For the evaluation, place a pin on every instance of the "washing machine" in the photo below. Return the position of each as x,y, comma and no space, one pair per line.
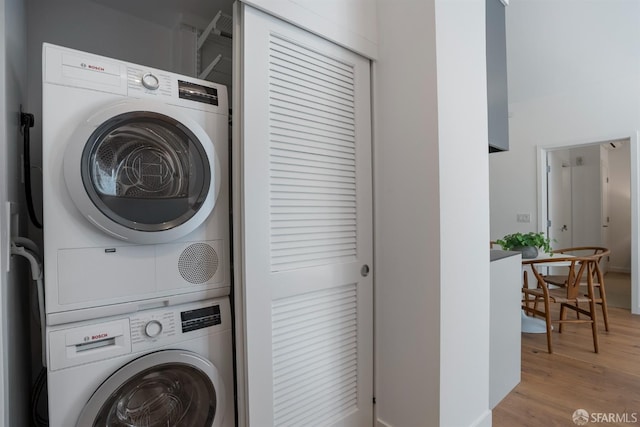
135,187
162,367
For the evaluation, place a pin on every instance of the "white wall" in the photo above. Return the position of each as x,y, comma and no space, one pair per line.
407,218
431,194
14,314
573,70
620,208
94,28
90,27
464,212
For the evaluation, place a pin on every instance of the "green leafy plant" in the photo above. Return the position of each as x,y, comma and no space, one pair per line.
520,240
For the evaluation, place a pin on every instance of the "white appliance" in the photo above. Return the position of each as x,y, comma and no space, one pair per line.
162,367
135,187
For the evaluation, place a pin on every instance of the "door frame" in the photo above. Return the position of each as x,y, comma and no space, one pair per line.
634,139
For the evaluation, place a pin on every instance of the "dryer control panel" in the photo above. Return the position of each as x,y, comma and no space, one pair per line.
146,83
70,67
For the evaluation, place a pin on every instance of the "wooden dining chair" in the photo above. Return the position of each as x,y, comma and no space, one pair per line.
597,252
569,296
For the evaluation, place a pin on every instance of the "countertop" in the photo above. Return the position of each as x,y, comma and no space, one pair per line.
497,254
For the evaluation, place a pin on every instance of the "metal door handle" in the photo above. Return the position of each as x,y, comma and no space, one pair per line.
364,271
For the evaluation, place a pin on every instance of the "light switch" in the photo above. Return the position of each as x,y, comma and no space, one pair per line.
523,217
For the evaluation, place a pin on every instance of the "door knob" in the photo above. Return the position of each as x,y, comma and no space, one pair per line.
364,271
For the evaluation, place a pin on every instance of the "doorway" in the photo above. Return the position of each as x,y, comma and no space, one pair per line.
588,196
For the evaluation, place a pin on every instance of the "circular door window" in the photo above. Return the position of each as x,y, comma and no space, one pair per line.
145,171
142,172
155,391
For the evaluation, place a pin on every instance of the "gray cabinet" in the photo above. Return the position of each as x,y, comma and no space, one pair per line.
497,77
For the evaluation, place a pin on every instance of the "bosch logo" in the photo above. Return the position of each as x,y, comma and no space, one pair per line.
91,67
99,336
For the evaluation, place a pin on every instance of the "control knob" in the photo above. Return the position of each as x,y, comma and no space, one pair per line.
150,81
153,328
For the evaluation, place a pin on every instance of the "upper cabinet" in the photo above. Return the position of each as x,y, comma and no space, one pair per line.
497,76
351,24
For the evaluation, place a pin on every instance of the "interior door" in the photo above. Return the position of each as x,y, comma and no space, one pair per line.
559,210
605,216
306,227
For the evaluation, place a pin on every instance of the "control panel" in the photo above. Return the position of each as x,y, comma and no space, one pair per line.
152,326
155,327
153,83
149,83
198,93
85,342
83,70
193,320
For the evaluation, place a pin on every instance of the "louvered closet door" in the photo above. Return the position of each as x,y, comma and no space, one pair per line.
307,228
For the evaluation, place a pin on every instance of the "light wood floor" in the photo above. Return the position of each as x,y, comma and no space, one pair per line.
553,386
618,289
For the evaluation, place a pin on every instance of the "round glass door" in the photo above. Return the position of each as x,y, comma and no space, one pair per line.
145,171
167,388
169,395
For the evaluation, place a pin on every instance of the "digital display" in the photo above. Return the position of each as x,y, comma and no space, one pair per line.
198,93
200,318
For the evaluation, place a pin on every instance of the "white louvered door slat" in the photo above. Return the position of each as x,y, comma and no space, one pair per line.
306,227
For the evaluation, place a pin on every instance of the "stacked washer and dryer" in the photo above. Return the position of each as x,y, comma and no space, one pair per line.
136,243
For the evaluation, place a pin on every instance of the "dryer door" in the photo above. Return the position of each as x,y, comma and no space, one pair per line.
142,172
166,388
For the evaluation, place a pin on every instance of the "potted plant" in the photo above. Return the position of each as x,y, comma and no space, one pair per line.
527,243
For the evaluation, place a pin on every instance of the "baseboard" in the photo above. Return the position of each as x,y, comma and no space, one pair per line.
483,420
619,269
380,423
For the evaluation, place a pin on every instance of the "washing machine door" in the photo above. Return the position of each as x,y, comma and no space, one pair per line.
166,388
142,172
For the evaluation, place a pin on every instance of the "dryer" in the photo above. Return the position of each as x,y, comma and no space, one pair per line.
135,187
170,366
